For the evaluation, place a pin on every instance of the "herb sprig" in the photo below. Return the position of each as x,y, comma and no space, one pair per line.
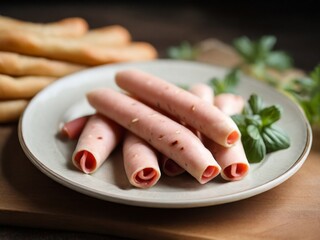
184,51
259,134
307,93
258,56
226,85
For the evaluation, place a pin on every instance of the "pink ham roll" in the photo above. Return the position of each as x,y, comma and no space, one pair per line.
97,140
72,129
195,112
140,162
229,103
164,134
233,160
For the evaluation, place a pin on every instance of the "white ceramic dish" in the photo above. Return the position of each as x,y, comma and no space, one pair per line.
65,100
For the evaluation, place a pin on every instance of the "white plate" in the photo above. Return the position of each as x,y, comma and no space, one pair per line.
65,100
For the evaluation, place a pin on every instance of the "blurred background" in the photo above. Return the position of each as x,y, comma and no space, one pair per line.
165,23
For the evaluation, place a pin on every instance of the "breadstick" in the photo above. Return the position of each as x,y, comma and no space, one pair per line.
114,35
73,50
20,65
23,87
11,110
68,27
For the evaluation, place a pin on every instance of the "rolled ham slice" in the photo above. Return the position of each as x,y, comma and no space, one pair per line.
73,128
188,108
140,161
233,160
229,103
167,136
97,140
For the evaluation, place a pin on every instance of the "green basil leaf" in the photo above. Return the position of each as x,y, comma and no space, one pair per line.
275,139
269,115
279,60
217,86
240,121
184,51
255,103
232,80
254,120
265,44
245,48
254,146
315,74
259,70
226,85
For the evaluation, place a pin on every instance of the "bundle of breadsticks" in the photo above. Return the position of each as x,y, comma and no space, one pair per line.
33,55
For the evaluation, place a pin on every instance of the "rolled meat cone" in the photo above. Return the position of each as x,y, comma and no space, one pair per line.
229,103
167,165
140,161
164,134
233,160
98,139
73,128
195,112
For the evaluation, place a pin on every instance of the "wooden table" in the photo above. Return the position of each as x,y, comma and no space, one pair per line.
29,198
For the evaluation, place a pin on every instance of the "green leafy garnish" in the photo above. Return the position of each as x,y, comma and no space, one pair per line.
226,85
306,91
258,56
185,51
259,135
260,52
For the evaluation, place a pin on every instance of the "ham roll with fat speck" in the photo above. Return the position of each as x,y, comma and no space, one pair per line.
140,161
97,140
185,106
233,160
167,136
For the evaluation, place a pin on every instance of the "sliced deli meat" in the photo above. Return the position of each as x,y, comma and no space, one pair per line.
188,108
233,160
164,134
140,161
98,139
73,128
229,103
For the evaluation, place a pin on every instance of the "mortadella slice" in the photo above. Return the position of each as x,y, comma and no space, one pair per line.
97,140
229,103
233,160
73,128
164,134
197,113
140,161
